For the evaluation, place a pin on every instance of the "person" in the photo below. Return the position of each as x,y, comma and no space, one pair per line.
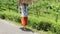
24,6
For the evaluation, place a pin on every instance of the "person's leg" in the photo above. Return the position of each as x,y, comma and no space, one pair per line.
24,28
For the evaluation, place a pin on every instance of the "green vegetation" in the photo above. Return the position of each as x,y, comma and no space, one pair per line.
43,15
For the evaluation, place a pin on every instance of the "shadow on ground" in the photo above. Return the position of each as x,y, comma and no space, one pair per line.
27,29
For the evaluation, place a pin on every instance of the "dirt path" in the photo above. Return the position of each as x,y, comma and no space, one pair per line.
6,28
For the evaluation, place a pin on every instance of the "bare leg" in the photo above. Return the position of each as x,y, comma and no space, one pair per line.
24,28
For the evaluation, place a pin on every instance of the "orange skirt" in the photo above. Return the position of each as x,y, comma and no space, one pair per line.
24,21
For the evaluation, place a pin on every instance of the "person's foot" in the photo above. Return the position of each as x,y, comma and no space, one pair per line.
24,28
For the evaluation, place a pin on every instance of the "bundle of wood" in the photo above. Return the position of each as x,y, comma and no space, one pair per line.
26,1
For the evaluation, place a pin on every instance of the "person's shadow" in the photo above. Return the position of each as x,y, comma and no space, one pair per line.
27,29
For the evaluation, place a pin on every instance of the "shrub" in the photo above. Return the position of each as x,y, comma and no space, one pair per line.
35,23
2,16
44,25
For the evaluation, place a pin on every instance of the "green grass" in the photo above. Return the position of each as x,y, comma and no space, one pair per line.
33,21
38,15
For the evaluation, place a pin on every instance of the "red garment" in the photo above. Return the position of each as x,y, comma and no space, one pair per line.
24,21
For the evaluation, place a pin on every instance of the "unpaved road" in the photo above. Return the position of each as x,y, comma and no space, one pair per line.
6,28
